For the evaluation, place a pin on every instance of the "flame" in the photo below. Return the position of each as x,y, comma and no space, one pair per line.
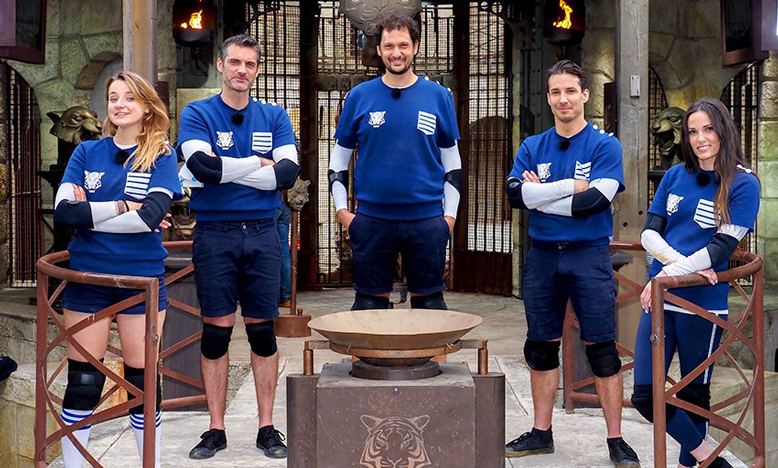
566,23
195,21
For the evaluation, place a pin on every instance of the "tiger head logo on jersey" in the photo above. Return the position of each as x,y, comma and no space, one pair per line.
224,140
544,171
377,119
672,203
92,181
395,442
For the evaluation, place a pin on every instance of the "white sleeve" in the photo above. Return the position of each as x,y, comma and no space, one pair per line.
191,147
535,195
100,210
235,168
561,207
126,223
264,178
607,187
451,162
658,247
700,260
339,161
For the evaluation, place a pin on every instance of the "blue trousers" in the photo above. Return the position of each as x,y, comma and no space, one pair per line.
283,217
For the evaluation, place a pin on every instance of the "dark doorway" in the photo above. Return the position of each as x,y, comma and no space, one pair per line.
24,154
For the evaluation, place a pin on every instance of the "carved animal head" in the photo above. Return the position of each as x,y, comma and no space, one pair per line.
297,196
666,131
76,125
395,442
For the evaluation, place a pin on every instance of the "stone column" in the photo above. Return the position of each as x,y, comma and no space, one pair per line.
5,182
630,205
767,167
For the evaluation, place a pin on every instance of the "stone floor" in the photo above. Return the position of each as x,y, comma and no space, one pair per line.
580,437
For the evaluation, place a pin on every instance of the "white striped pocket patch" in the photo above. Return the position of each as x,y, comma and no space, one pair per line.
427,123
583,171
703,214
261,142
137,184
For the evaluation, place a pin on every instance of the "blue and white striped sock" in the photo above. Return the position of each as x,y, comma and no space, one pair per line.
70,454
136,421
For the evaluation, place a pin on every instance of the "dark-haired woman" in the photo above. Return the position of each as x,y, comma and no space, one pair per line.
701,210
115,192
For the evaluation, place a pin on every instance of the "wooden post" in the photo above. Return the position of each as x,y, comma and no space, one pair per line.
140,38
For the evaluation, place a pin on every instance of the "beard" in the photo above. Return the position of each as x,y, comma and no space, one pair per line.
238,86
406,66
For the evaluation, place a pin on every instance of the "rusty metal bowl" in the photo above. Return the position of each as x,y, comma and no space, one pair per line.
395,329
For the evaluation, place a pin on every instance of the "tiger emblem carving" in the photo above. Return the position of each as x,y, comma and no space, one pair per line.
395,442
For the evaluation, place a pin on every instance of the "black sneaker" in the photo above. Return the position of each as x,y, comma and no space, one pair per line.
7,366
622,454
720,463
534,442
211,442
271,441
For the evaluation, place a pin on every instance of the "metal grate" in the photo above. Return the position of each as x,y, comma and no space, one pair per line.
741,96
657,102
25,157
490,137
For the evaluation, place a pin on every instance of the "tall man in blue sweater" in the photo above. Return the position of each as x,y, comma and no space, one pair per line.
567,177
407,175
239,153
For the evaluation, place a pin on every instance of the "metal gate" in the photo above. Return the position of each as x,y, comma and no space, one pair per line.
483,239
26,233
741,96
657,102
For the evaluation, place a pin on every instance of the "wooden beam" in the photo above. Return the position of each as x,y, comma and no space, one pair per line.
140,38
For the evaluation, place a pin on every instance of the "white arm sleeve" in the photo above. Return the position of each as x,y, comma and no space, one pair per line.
536,195
700,260
561,207
126,223
607,187
235,168
451,162
188,148
264,178
658,247
101,211
339,161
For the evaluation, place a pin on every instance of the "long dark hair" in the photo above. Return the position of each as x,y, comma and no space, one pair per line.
730,154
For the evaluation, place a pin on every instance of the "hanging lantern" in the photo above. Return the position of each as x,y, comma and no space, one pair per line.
193,22
564,21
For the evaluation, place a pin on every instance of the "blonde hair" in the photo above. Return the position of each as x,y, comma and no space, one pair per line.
153,137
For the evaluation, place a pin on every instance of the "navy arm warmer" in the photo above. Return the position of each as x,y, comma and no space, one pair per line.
655,223
205,168
589,202
721,248
513,190
74,214
155,206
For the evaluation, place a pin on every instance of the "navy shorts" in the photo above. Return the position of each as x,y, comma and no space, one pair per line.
80,297
554,273
376,242
237,262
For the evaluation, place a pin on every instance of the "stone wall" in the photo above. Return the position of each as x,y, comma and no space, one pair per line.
767,246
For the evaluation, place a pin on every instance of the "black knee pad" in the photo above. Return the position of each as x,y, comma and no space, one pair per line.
696,394
643,401
542,355
430,301
262,338
367,302
215,342
85,386
603,359
134,376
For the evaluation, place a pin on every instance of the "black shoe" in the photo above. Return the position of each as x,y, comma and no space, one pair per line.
720,463
534,442
7,366
212,441
622,454
270,440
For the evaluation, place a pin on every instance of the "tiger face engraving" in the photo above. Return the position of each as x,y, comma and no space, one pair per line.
92,181
395,442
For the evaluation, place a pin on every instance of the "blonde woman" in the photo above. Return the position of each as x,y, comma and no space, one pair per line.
115,192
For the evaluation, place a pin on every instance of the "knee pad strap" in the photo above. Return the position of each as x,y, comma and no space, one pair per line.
85,386
643,401
696,394
430,301
603,358
215,342
542,355
134,376
262,338
367,302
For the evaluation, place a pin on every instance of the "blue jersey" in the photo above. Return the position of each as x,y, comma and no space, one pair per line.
688,209
93,167
592,154
398,173
265,127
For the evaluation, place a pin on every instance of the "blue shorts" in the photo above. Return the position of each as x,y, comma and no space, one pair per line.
554,273
80,297
376,242
237,261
